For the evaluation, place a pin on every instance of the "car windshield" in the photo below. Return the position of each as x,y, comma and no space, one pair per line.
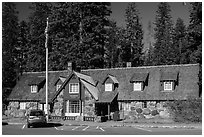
36,113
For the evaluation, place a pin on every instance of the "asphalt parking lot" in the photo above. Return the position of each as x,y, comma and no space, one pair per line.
59,129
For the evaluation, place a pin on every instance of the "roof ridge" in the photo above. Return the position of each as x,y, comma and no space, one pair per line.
52,71
160,66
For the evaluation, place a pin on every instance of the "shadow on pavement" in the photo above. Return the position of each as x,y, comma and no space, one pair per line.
4,123
47,125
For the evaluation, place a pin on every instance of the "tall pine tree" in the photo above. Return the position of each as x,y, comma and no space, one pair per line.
9,44
37,25
134,34
180,41
194,48
164,50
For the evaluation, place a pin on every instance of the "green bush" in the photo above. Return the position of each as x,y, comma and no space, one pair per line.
185,111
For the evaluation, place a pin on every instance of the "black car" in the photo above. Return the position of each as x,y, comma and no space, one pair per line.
36,117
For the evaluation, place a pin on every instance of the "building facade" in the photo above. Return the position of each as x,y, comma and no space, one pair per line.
102,92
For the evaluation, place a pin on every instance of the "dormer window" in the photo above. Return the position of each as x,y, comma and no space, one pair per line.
36,83
110,83
168,81
108,87
137,86
168,85
74,88
139,80
34,88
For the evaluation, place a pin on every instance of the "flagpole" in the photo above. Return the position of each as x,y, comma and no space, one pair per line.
46,35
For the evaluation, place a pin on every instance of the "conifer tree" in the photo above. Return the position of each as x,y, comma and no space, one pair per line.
134,34
180,41
164,50
9,44
194,48
37,25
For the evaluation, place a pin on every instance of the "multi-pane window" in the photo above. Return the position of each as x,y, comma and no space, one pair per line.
57,87
137,86
34,88
168,85
74,106
73,88
108,87
22,105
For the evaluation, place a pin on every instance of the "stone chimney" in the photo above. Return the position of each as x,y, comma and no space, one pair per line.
128,64
71,66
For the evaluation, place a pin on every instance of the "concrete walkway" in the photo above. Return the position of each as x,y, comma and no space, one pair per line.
16,121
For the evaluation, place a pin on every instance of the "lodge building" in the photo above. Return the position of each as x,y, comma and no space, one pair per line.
102,92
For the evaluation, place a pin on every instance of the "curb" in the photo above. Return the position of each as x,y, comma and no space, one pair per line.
148,126
12,123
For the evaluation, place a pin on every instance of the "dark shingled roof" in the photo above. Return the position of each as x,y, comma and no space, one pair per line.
187,76
169,76
36,80
22,90
107,96
139,77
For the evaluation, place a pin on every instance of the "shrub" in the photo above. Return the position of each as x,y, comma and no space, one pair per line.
189,110
154,112
139,110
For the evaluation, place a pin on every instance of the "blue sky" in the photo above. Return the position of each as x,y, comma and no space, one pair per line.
147,12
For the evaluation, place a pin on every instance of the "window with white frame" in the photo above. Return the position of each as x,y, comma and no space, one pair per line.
137,86
74,106
34,88
58,86
74,88
108,87
168,85
22,105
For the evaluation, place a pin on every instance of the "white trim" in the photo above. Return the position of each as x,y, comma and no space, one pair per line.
70,88
137,86
32,87
108,87
22,105
168,86
72,114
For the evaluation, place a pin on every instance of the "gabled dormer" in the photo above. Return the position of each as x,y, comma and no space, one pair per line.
110,83
139,81
169,81
36,83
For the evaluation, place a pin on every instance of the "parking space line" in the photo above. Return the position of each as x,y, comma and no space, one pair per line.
23,127
85,128
76,128
102,129
58,128
143,129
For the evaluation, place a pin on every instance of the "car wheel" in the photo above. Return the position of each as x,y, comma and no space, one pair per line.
28,125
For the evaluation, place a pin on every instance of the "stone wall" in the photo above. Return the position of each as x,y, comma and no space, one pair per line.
58,105
138,109
13,109
89,105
